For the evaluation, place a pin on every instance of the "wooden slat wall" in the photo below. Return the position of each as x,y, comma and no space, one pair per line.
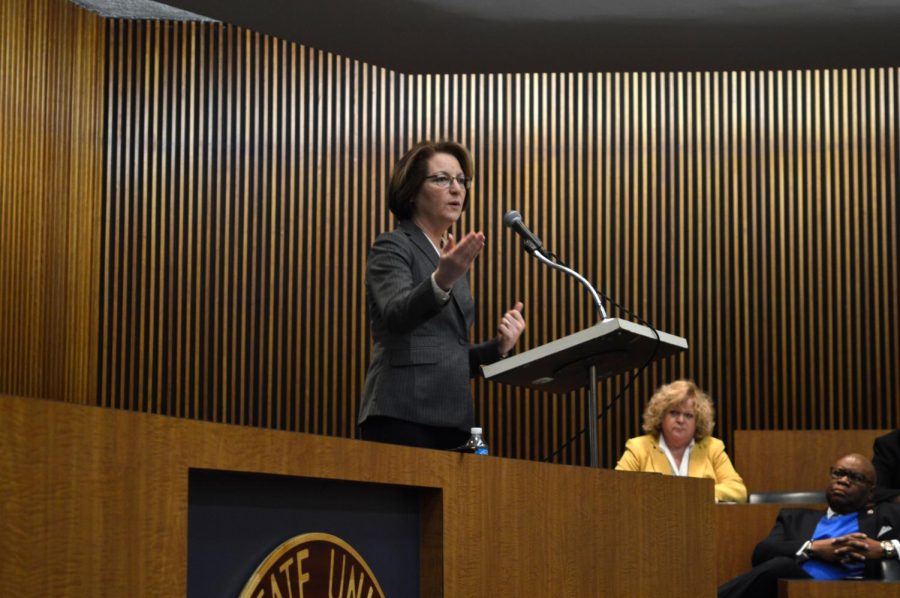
243,179
51,135
753,213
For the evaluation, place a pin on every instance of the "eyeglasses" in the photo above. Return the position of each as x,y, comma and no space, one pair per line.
853,476
445,180
675,414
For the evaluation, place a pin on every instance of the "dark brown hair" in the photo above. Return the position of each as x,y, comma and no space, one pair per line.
410,172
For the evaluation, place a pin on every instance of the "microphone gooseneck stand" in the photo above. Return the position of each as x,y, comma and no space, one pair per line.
532,244
593,442
557,266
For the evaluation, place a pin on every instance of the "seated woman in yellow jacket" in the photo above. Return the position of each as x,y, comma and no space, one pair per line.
678,421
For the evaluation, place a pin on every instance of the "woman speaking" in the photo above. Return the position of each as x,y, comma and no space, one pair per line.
420,310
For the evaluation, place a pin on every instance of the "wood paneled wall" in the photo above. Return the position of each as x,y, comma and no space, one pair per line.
752,212
51,136
805,456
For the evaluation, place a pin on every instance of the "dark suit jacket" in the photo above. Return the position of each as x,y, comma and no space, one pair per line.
793,527
886,459
422,359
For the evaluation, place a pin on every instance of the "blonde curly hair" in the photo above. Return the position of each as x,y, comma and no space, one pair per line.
669,396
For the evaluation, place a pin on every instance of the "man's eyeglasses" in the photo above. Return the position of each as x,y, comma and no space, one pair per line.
445,180
853,476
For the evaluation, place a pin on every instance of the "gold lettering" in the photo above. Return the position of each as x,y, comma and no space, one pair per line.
331,576
302,577
355,591
286,569
331,572
348,582
273,584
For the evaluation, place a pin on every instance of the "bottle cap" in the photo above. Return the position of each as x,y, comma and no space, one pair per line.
476,430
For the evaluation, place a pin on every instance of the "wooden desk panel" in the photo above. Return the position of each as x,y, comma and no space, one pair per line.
739,528
837,589
782,461
94,502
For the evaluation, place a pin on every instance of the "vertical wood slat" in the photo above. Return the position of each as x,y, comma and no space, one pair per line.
51,131
754,213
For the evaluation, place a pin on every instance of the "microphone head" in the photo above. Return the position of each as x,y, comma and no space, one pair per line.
511,217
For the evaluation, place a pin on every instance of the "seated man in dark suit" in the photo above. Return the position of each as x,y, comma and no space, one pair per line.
886,459
849,540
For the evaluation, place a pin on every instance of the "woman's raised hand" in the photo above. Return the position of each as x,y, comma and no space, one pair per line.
457,258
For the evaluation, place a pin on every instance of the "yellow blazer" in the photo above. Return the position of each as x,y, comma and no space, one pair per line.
708,460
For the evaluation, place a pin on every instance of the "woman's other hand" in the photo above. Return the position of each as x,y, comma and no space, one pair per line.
512,324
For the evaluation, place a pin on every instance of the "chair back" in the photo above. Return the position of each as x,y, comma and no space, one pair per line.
890,570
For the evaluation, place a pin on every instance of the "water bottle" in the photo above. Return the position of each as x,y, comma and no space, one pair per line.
476,443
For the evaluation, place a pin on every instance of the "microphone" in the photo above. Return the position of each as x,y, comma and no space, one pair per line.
513,220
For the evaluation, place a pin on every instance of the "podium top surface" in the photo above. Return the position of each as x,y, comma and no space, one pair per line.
613,345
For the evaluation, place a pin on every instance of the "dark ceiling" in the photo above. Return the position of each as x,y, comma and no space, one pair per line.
501,36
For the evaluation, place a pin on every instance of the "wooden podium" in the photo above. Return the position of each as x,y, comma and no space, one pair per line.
94,502
580,360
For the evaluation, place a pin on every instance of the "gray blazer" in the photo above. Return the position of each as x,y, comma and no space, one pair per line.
422,359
